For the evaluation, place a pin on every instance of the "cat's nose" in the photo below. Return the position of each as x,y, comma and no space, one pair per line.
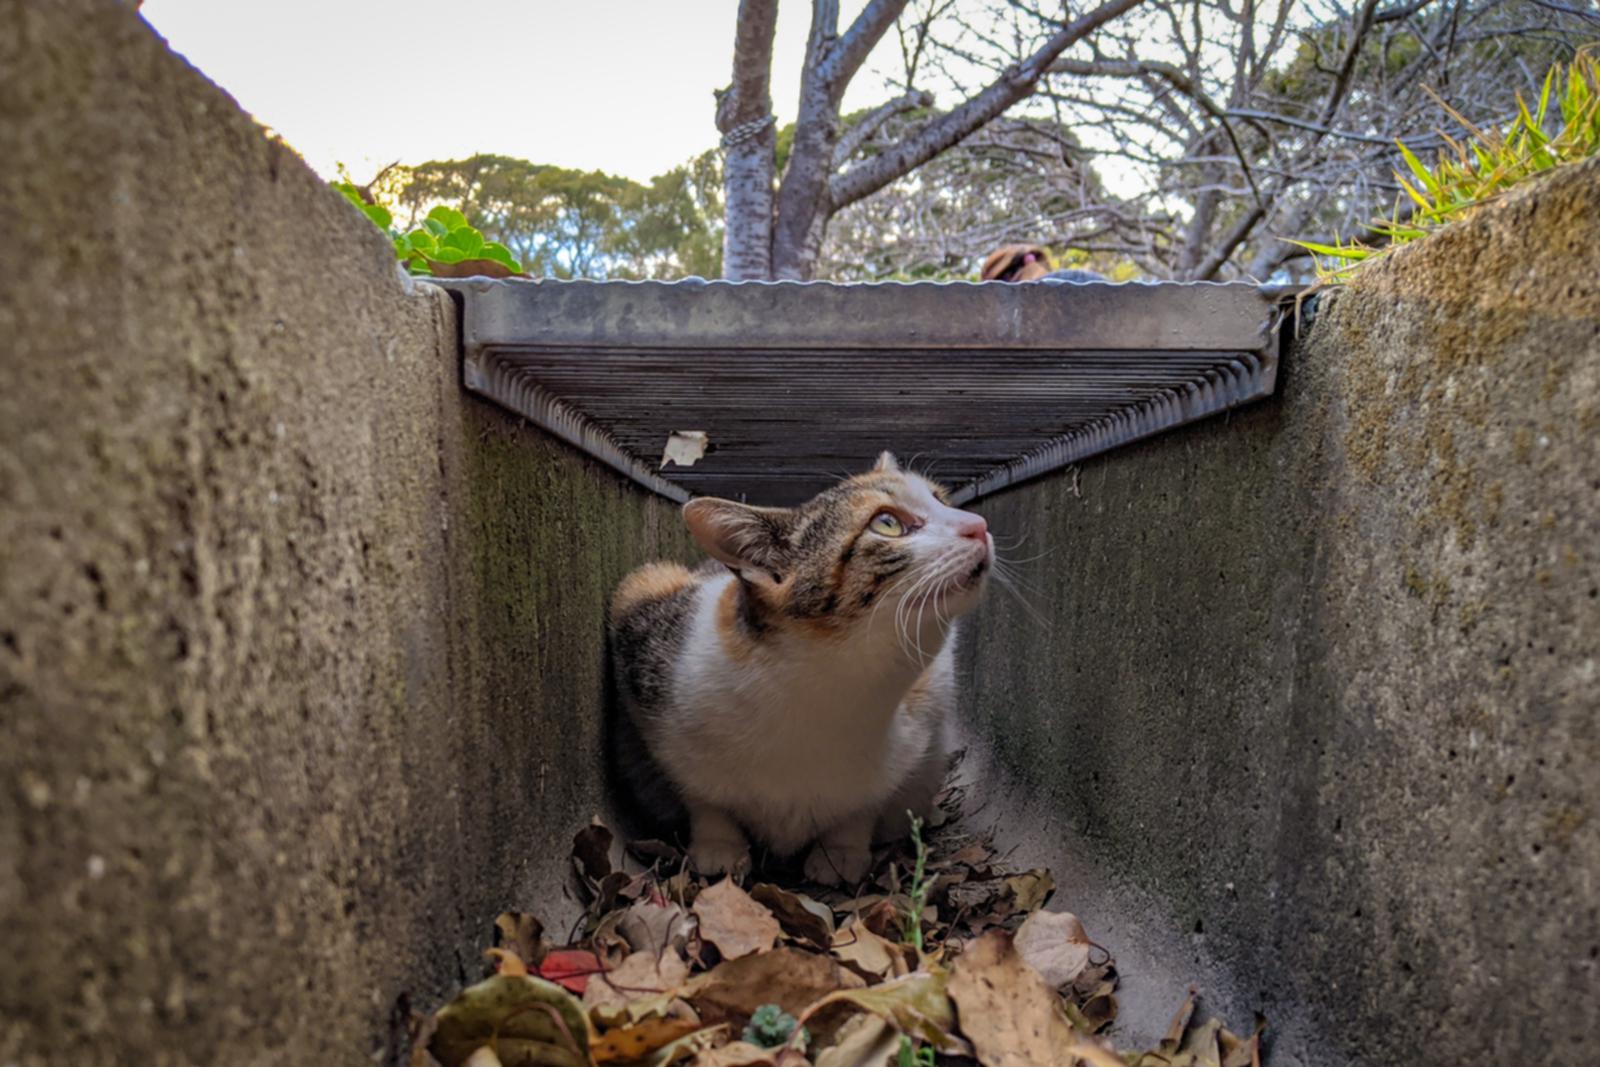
973,526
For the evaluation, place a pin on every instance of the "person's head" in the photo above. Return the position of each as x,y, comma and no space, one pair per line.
1016,263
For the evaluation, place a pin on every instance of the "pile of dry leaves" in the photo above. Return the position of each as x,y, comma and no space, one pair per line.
946,957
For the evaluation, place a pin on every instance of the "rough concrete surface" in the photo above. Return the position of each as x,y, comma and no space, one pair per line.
298,644
1323,676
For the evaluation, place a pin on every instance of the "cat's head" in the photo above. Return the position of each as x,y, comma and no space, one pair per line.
865,552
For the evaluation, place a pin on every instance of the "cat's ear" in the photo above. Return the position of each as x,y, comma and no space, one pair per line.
743,537
886,462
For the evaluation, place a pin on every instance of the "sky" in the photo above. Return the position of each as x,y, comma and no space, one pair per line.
622,86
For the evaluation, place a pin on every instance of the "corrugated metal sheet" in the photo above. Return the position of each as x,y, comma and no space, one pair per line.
796,384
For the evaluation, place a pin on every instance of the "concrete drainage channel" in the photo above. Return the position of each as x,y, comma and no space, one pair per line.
298,637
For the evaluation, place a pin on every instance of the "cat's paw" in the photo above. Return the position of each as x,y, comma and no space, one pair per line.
838,864
720,856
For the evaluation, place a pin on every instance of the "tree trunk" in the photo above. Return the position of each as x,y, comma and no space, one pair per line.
744,115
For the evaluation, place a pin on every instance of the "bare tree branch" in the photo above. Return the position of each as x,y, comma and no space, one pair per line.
851,141
847,55
1014,84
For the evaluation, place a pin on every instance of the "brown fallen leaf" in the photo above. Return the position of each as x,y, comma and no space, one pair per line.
800,917
591,851
643,974
505,961
788,977
523,934
651,927
1056,945
733,922
640,1039
918,1004
737,1054
531,1022
1030,889
871,956
864,1041
472,268
1004,1007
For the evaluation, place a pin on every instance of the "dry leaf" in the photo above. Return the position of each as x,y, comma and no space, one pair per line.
799,915
730,920
472,268
689,1045
788,977
1006,1010
522,934
651,927
737,1054
870,955
684,448
1055,944
917,1004
864,1041
570,967
505,961
640,1039
532,1023
591,852
643,974
1030,889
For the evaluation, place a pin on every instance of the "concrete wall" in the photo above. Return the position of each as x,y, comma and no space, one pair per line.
298,644
1323,676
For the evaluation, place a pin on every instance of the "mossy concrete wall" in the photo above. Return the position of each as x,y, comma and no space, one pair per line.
298,644
1324,675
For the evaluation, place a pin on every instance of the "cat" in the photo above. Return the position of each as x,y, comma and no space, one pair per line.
797,690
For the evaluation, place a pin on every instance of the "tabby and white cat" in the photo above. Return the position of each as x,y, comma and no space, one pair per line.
797,689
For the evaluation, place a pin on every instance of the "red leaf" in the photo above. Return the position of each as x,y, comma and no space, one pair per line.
570,968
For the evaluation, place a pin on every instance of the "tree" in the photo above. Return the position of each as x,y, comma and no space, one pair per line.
567,223
780,235
1234,125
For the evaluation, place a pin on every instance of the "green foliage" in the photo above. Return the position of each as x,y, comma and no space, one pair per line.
918,889
569,223
911,1056
444,240
771,1027
1474,172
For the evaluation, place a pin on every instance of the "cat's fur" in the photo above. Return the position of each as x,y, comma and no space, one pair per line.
797,689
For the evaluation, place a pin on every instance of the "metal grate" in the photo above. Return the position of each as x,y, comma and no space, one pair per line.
798,383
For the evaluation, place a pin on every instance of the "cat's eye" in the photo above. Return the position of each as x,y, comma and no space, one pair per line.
888,524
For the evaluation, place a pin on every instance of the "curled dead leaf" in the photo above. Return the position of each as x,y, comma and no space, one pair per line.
1056,945
1030,889
868,954
531,1023
649,926
521,933
1006,1010
788,977
918,1004
732,921
643,974
864,1041
505,961
800,917
638,1040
